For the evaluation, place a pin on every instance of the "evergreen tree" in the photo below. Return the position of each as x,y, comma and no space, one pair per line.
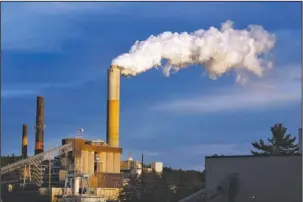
279,143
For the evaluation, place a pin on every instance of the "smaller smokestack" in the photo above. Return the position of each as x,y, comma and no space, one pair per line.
300,140
39,143
24,141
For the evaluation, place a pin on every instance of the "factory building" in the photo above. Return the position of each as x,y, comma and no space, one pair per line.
96,159
254,178
130,163
130,167
95,162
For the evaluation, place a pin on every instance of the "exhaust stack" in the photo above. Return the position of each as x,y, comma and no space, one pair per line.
24,141
113,106
39,145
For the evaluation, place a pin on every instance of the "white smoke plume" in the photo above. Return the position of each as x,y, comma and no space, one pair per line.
217,50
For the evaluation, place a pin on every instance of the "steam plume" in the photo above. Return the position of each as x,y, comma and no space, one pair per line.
218,50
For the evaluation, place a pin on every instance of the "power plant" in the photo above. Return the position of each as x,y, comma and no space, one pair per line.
90,170
79,164
86,170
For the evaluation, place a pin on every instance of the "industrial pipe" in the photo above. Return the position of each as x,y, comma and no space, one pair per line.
39,145
113,106
24,141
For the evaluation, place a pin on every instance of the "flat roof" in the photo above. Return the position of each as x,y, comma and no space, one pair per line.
250,156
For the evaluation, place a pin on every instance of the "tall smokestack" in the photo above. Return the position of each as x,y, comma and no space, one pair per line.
39,146
113,106
24,140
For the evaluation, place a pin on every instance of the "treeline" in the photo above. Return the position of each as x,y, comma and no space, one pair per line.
172,185
5,160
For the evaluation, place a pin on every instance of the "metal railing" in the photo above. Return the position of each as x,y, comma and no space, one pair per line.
35,160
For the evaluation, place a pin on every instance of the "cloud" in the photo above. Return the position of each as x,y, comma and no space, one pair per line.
16,93
21,90
280,88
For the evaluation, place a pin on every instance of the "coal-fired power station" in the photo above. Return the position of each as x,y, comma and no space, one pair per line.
39,143
113,106
83,164
24,140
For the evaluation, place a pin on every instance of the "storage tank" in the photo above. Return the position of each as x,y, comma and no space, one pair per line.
135,171
157,167
77,185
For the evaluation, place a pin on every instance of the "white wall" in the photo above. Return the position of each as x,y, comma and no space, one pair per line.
268,178
157,167
300,140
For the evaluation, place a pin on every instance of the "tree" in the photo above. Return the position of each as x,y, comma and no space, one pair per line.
279,143
131,190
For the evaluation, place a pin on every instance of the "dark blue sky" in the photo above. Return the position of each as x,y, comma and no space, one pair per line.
62,51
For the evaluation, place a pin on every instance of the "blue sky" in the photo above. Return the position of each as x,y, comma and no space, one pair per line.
62,51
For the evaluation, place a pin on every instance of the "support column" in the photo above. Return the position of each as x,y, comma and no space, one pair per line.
85,161
117,163
91,162
103,162
110,162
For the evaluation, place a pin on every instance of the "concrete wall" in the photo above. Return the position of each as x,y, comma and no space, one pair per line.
264,178
91,162
117,163
102,163
85,161
110,162
106,193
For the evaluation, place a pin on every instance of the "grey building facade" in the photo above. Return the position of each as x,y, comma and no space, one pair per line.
253,179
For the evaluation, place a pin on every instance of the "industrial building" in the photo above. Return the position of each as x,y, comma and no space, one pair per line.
251,178
254,178
82,166
260,178
98,160
130,167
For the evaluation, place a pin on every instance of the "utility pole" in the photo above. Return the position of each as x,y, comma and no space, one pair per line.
49,174
142,177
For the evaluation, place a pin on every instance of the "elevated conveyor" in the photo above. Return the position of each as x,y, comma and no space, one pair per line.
35,162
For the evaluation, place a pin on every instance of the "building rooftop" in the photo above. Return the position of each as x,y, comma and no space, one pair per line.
250,156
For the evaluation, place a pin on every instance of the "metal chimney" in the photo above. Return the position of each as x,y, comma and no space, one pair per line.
39,144
24,141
